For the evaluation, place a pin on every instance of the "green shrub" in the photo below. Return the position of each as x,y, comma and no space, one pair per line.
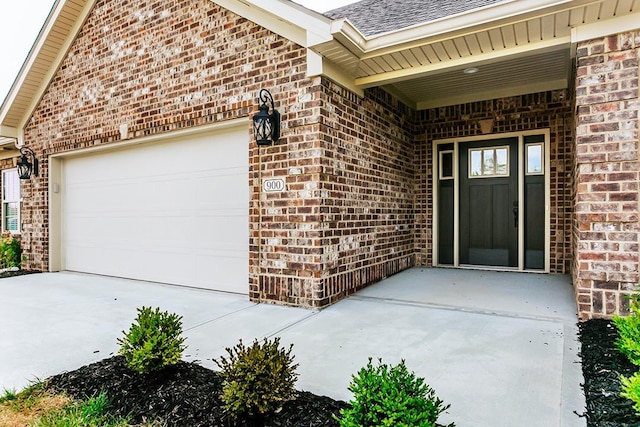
258,379
10,251
628,341
631,389
154,341
391,396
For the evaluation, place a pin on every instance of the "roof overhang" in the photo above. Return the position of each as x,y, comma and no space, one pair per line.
300,25
53,42
288,19
8,139
518,46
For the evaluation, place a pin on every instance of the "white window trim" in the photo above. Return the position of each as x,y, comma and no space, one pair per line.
526,157
5,201
493,175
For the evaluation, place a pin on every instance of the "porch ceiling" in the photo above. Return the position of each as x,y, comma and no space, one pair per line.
507,76
515,51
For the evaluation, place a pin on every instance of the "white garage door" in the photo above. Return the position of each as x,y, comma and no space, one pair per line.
172,212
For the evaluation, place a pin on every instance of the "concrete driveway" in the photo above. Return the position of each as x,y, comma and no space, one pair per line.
501,348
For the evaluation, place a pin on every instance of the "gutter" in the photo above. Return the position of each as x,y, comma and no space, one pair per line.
478,19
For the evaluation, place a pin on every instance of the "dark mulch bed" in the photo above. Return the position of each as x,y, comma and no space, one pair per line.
17,273
602,365
185,395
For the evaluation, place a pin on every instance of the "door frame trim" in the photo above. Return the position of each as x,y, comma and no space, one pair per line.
434,174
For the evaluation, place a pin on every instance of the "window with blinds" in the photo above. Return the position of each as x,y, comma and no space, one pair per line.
10,201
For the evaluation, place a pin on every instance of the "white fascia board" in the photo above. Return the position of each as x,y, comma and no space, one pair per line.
399,75
28,63
350,37
317,65
617,25
477,19
8,154
9,132
317,25
298,24
62,53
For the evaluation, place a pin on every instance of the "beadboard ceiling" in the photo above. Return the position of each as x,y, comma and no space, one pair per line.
423,65
505,77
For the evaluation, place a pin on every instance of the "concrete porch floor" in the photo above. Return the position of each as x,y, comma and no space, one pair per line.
500,347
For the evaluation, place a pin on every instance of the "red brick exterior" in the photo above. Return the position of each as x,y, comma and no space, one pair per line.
357,206
369,182
157,68
346,220
606,227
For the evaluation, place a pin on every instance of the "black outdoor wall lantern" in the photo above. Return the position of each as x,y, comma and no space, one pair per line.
24,166
266,126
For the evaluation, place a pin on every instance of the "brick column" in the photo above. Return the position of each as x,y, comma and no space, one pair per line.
606,229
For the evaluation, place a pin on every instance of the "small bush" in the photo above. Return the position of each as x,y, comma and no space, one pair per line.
628,327
10,251
391,396
631,390
258,379
153,342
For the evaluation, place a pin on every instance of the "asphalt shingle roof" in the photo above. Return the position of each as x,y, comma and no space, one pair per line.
374,17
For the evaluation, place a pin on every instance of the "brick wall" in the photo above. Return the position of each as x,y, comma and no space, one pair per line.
358,202
545,110
368,185
606,228
163,66
156,67
285,245
346,217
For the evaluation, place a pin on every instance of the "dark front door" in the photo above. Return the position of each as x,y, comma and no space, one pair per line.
489,203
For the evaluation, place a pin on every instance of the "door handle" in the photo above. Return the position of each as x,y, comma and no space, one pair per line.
515,214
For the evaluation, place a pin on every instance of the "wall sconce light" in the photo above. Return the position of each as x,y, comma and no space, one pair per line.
24,166
266,126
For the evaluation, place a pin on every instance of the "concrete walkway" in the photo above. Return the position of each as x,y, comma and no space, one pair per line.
501,348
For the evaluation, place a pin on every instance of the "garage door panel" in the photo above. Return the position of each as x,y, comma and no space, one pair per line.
84,256
222,195
217,268
174,212
220,228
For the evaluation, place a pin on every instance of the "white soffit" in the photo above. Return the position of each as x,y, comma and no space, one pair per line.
9,132
618,24
7,142
369,60
531,40
46,55
511,76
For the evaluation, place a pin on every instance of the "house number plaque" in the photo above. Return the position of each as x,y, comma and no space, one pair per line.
274,185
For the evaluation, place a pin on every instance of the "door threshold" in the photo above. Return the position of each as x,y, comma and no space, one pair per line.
490,268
